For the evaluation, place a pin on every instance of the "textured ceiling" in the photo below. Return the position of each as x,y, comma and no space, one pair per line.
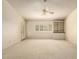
32,9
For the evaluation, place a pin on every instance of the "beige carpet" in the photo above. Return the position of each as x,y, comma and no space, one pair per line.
41,49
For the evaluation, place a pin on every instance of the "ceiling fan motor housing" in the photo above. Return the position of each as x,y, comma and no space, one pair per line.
45,0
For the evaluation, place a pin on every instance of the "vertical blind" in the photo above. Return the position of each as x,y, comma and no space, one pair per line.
58,26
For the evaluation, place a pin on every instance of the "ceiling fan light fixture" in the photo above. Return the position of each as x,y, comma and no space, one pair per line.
45,10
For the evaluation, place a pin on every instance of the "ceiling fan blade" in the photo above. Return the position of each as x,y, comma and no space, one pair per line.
51,12
46,11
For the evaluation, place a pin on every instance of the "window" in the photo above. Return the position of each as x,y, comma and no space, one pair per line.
43,27
58,26
37,28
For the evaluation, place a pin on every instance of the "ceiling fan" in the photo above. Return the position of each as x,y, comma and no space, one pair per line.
44,10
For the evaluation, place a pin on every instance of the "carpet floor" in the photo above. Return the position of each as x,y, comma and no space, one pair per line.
41,49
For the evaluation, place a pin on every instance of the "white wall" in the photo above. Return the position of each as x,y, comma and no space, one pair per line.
11,26
32,33
70,27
